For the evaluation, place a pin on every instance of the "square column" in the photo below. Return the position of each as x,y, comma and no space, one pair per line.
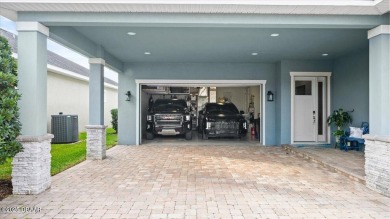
377,163
96,142
379,80
32,76
96,130
96,91
377,150
31,167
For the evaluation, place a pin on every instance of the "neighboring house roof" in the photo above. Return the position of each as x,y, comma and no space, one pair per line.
54,59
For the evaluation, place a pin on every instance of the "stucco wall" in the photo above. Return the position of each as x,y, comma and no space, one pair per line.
350,85
195,71
283,97
70,96
353,68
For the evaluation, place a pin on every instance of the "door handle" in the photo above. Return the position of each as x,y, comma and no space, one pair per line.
314,117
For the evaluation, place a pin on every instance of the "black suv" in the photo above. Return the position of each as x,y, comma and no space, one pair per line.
221,120
169,117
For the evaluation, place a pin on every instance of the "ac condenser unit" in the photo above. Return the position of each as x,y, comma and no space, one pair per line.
65,128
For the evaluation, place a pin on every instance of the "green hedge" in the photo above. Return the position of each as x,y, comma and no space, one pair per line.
114,122
9,112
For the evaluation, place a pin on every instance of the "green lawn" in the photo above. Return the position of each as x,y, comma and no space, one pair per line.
64,156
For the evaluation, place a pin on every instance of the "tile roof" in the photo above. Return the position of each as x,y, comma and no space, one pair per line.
53,58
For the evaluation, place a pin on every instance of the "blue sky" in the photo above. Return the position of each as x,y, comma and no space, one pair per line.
63,51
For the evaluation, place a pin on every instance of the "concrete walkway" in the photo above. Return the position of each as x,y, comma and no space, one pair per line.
187,181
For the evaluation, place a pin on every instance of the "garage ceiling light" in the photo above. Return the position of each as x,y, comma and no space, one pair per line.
131,33
147,53
274,34
255,53
325,54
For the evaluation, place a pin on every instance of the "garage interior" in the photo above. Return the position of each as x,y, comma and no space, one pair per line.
246,98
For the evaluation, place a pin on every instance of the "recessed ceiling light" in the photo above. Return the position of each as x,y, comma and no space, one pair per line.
131,33
147,53
325,54
274,34
255,53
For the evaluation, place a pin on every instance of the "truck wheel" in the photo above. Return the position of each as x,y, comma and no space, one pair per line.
188,135
204,136
149,136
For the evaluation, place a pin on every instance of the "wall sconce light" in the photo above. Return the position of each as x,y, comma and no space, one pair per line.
270,96
128,94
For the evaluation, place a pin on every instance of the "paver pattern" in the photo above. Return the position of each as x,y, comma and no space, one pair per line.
188,181
350,163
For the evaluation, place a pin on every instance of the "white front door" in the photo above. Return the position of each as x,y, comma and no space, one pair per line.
309,109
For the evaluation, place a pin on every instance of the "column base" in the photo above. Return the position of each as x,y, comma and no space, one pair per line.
31,167
377,163
96,142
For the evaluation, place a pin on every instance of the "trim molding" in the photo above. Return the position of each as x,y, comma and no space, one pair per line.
200,82
382,29
311,74
97,61
32,26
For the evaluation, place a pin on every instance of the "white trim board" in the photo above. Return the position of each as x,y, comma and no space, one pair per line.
382,29
209,2
97,61
198,83
32,26
225,83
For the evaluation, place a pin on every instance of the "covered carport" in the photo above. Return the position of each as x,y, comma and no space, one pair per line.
202,41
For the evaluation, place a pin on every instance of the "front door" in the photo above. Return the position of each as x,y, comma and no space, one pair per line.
309,109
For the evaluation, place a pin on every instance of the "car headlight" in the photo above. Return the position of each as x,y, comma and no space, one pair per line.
149,117
187,117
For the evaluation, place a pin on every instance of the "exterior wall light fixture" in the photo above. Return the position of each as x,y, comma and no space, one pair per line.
270,96
128,94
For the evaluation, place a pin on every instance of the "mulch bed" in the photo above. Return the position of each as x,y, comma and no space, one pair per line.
5,188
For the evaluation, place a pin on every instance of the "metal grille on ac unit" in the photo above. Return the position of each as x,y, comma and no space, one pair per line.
65,128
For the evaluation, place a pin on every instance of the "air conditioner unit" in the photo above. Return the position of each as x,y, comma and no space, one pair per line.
65,128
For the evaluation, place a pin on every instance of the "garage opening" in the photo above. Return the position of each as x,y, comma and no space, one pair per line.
200,112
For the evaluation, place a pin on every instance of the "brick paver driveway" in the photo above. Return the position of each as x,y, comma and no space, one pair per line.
187,181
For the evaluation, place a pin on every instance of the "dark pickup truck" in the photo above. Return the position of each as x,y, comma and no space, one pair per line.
221,120
169,117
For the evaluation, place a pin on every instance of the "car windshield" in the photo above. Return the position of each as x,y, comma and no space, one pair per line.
221,108
167,104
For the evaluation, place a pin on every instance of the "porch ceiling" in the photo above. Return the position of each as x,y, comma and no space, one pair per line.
203,44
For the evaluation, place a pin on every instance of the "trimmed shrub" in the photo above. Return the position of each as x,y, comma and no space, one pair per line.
114,121
10,125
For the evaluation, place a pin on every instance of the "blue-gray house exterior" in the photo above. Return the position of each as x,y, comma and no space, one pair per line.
205,41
